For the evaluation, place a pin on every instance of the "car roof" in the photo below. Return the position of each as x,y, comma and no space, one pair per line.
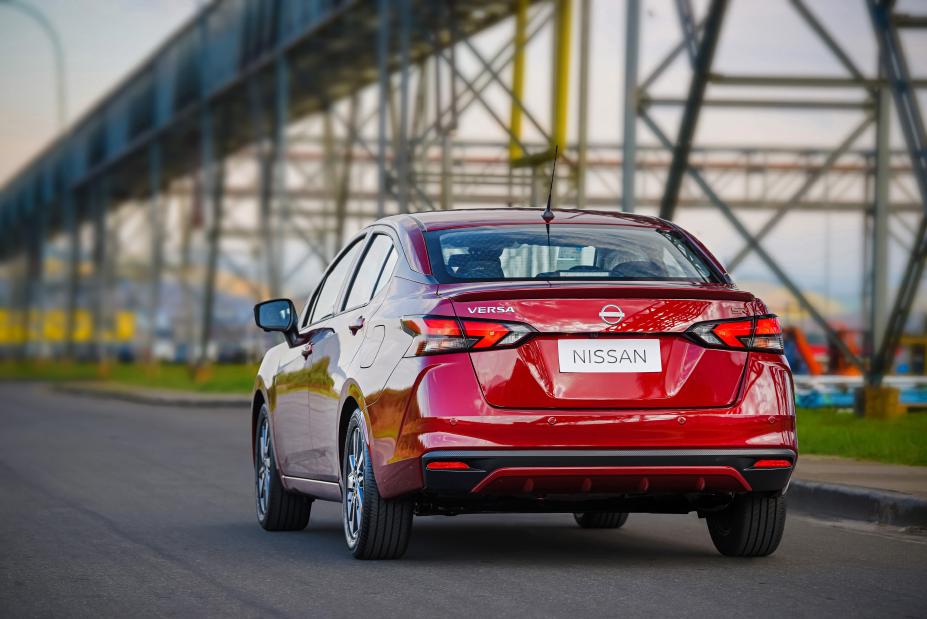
466,218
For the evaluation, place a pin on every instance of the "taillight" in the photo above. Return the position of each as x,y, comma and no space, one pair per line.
438,334
760,333
768,334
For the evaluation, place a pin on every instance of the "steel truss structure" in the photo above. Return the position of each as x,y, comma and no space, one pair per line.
238,158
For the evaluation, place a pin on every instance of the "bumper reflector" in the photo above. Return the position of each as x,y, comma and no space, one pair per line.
772,464
447,466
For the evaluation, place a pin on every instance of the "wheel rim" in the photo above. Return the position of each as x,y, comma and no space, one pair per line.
354,486
263,464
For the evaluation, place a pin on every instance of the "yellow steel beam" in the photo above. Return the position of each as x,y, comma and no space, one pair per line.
518,79
563,28
560,83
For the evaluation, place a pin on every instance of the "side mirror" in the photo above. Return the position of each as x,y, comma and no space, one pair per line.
277,315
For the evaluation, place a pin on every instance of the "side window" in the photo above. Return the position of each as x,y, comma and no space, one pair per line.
387,271
368,271
328,293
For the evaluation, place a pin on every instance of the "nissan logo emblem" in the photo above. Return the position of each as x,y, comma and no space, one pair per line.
611,314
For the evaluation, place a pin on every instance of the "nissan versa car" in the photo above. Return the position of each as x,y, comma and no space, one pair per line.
593,364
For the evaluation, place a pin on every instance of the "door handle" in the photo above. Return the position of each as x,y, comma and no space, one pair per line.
357,325
307,350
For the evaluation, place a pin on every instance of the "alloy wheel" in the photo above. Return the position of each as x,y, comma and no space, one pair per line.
354,487
263,463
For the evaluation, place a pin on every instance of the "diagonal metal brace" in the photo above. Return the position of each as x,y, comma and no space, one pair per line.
800,193
773,266
690,114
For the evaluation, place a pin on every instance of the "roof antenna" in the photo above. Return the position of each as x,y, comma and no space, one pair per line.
548,214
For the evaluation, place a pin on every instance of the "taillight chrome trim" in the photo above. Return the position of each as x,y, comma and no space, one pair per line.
764,326
461,339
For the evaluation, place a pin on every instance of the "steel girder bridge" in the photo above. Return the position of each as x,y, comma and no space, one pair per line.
263,126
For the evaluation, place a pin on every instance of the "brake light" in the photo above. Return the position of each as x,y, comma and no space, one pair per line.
438,334
761,333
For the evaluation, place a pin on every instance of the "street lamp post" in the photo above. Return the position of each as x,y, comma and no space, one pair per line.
57,52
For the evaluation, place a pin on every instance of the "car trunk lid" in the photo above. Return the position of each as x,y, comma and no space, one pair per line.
571,361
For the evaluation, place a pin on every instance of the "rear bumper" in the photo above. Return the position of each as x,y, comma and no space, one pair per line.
442,410
592,473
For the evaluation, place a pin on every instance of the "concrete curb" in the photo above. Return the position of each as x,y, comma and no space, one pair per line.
156,398
856,503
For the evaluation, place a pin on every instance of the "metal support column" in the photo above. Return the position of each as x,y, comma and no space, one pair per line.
343,186
278,204
585,17
895,67
629,139
73,273
156,232
216,183
33,306
383,97
878,302
99,210
403,160
690,114
559,100
518,80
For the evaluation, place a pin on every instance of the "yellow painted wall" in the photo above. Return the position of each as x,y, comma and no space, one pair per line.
51,327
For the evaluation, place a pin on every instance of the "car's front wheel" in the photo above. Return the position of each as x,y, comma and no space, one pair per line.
374,527
600,520
751,526
277,509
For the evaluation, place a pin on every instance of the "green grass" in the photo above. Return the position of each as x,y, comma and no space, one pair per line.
898,441
217,379
825,432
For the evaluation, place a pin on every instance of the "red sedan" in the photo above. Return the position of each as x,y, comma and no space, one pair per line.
595,364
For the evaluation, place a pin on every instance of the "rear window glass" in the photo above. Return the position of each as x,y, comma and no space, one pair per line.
582,252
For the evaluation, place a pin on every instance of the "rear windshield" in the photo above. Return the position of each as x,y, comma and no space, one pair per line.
569,252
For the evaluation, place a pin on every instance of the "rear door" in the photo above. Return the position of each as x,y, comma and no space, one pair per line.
305,386
340,338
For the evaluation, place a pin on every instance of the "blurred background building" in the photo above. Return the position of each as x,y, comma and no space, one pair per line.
165,164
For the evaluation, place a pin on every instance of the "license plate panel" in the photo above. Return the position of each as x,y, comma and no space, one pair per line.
609,356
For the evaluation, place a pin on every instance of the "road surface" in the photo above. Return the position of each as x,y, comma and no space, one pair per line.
116,509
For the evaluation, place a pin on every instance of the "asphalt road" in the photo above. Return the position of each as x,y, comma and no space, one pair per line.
116,509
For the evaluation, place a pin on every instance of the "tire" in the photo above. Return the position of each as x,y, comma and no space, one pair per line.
751,526
277,509
600,520
374,527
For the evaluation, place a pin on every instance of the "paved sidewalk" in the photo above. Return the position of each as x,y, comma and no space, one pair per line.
160,397
875,475
833,487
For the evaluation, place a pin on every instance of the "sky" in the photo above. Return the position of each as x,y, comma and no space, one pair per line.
105,39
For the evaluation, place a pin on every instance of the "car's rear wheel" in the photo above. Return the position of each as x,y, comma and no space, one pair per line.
277,509
751,526
374,527
600,520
